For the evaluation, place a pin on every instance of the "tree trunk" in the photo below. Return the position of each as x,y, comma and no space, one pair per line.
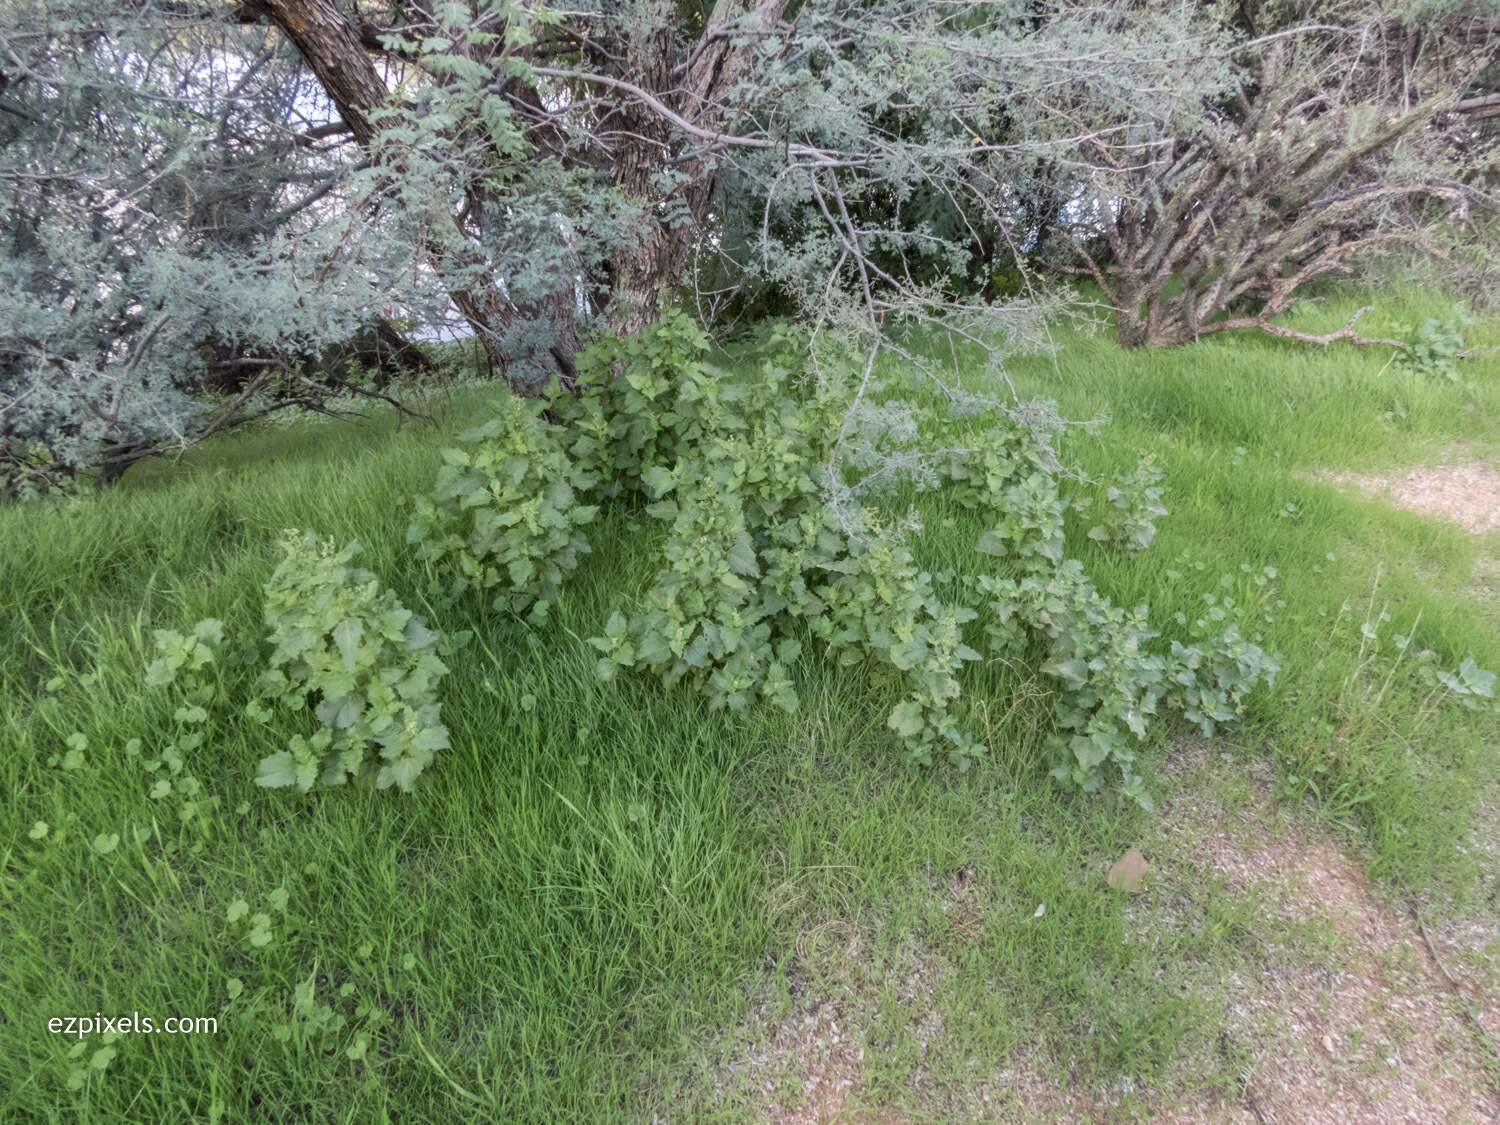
332,48
1132,329
643,280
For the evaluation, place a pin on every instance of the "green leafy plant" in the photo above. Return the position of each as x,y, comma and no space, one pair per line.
504,515
1109,684
640,398
360,659
1436,345
772,499
1135,506
1113,674
885,607
184,659
185,664
1472,686
749,533
1210,679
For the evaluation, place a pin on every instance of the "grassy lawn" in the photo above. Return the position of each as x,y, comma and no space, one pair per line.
605,902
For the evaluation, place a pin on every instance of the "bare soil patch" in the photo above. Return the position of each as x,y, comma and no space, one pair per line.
1467,493
1372,1030
828,1063
1375,1034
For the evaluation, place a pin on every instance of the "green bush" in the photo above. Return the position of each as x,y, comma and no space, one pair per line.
361,660
504,514
725,464
772,539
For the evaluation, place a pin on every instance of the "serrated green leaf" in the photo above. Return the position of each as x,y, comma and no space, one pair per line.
907,719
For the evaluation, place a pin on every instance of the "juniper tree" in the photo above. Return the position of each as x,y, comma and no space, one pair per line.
182,176
172,247
186,180
851,154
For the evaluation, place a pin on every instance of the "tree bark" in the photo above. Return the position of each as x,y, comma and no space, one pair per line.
642,279
331,47
1243,221
645,279
337,53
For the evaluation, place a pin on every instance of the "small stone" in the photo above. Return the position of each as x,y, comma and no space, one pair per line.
1128,871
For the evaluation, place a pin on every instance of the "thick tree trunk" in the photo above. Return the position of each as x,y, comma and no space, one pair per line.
640,275
1131,329
333,49
645,279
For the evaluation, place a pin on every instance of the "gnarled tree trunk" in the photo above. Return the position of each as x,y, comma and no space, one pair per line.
643,280
336,52
1223,231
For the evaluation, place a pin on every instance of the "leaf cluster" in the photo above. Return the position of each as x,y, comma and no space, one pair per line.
504,514
755,559
1436,345
186,664
1134,507
366,665
726,465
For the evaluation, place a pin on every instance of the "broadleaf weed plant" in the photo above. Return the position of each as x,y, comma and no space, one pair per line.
361,660
772,542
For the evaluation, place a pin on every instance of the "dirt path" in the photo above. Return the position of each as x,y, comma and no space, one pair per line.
1384,1034
1463,489
1375,1032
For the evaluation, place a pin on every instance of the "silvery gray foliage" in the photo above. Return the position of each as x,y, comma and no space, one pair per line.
916,135
179,184
174,243
543,235
861,158
886,161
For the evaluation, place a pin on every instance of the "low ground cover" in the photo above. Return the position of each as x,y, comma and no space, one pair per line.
604,902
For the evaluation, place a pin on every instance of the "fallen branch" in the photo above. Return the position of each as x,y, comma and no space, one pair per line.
1478,353
1345,333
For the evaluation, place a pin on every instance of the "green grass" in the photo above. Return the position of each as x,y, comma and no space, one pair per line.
1243,426
603,896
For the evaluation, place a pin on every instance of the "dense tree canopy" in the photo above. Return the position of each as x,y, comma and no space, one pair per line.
172,243
201,198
